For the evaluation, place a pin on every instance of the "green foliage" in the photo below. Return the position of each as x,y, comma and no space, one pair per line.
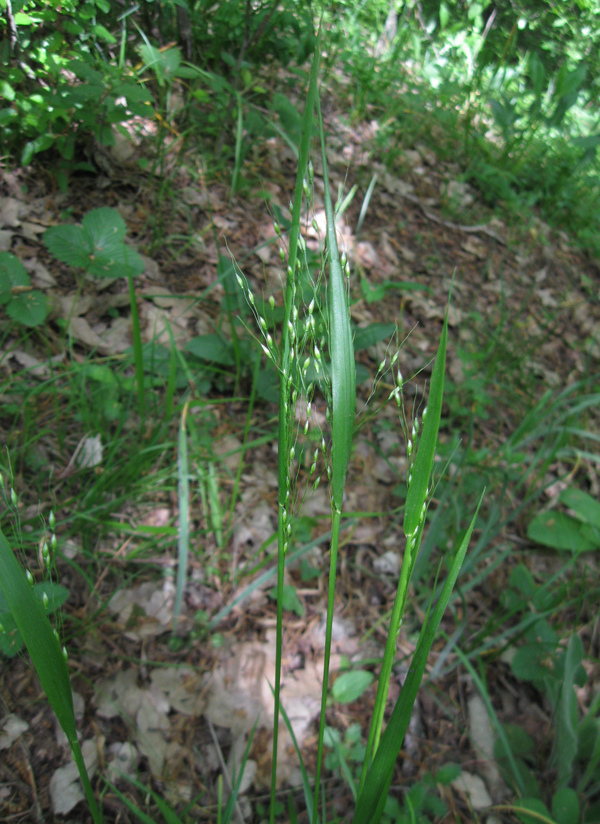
351,685
60,87
52,596
23,304
556,671
512,98
68,75
98,245
559,530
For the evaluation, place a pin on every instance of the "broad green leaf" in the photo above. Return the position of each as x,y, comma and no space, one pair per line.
69,244
351,685
28,308
448,773
559,531
372,334
373,293
12,274
98,245
212,348
582,504
527,663
565,806
103,33
290,600
423,463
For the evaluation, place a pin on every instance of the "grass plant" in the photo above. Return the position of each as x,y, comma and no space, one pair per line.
312,352
315,350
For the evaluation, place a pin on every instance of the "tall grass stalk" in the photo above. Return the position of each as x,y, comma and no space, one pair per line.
285,384
339,387
343,401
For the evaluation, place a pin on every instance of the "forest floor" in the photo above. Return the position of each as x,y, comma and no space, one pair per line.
524,320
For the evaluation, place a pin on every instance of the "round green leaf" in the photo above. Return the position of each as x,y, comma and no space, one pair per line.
565,806
351,685
559,531
28,308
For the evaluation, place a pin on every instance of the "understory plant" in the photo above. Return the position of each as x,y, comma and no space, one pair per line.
312,353
315,351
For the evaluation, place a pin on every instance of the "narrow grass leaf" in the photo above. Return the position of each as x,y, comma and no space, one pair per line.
341,350
371,801
46,655
32,621
183,489
423,464
138,355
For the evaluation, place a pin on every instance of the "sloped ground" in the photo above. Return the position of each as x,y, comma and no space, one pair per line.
525,317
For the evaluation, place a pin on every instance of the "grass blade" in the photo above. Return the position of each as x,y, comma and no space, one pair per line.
183,487
343,400
46,655
372,798
423,463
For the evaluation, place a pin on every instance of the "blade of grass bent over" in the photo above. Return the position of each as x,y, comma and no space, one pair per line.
46,655
284,397
343,393
373,796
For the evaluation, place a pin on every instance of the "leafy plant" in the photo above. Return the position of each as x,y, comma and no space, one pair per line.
555,671
28,612
559,530
59,87
98,246
23,304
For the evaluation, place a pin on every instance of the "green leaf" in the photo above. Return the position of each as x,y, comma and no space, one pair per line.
44,648
371,801
290,599
559,531
212,348
448,773
423,463
582,504
12,273
341,349
351,685
376,292
98,245
527,663
29,308
542,815
289,117
565,806
103,33
566,710
372,334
